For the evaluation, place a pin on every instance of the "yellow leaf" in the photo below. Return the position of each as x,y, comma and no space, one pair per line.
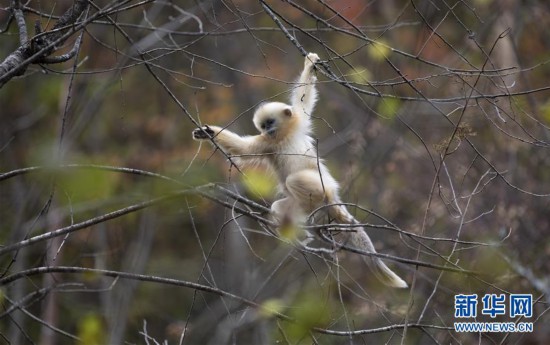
545,112
91,276
388,107
259,183
91,330
360,75
379,50
482,2
288,232
271,307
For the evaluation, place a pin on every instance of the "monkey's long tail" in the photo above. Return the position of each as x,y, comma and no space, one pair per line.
360,240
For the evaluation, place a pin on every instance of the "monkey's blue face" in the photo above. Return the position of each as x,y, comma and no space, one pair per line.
269,126
272,119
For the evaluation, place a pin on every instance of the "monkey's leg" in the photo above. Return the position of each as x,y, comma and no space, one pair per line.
288,215
281,208
308,189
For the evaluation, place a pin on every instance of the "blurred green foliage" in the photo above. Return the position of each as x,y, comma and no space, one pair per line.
384,151
91,330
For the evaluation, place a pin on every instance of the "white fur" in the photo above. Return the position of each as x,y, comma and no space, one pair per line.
285,143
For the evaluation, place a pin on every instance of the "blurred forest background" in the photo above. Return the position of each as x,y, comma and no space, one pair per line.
116,227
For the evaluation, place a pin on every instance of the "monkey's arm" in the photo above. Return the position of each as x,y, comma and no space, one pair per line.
230,142
304,95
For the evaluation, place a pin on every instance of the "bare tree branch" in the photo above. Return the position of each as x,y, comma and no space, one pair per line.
20,20
176,282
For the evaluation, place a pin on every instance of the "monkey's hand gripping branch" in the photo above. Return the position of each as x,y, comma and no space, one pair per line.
202,133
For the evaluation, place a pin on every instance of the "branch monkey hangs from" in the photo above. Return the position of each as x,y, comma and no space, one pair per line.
285,142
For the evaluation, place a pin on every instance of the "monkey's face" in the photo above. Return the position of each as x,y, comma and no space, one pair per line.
273,119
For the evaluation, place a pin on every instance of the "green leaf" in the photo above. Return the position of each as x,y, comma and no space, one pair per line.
88,184
310,310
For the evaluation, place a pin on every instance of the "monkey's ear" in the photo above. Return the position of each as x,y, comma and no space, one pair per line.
287,112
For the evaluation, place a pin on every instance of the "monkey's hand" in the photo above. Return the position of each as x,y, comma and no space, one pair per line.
310,60
203,133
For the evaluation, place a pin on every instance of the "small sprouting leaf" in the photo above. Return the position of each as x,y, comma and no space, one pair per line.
360,75
259,183
271,307
545,112
91,330
289,232
379,50
388,107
